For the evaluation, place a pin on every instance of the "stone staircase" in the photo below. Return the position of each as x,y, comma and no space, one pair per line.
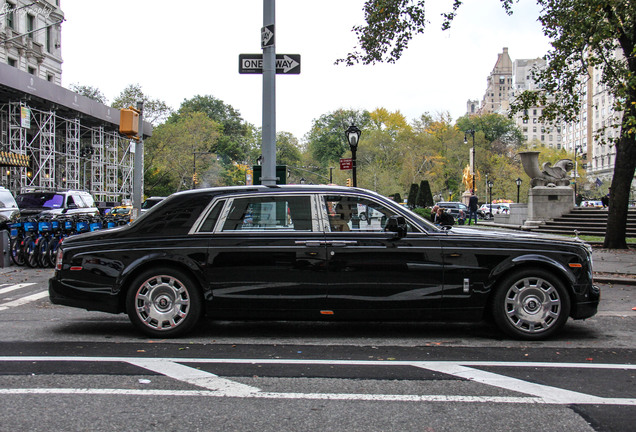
587,221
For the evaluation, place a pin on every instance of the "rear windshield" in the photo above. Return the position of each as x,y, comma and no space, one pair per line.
44,200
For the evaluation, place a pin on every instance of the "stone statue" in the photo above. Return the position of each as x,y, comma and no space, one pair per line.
556,175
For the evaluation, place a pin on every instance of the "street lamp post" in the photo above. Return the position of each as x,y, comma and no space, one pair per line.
576,169
353,137
490,184
518,181
472,155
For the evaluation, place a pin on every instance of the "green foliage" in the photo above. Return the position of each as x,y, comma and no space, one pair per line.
326,139
232,144
425,212
424,195
495,127
412,199
391,24
155,110
175,148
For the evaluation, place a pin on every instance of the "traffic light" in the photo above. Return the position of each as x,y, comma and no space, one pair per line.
129,122
349,182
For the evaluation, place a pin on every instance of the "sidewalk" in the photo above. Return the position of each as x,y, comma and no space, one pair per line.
615,266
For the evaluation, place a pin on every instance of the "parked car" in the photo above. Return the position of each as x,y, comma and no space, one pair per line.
150,202
453,208
70,202
301,253
500,208
124,210
9,211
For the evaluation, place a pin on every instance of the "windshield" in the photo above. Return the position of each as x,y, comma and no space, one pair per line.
44,200
120,211
150,202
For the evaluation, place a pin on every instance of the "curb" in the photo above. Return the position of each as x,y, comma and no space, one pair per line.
615,280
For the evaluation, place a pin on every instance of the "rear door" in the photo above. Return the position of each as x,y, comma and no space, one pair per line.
373,274
267,257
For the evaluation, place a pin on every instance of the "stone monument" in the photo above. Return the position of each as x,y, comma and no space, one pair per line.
550,195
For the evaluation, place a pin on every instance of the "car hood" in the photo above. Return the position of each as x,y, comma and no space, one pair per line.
514,235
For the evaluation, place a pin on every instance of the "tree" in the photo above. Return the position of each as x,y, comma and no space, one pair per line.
172,151
155,110
424,195
585,34
412,199
89,91
232,144
497,129
326,139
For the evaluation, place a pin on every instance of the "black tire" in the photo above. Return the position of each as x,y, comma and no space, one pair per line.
42,249
30,251
16,254
531,304
164,303
51,253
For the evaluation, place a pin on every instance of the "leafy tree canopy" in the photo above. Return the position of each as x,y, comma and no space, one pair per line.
326,139
155,110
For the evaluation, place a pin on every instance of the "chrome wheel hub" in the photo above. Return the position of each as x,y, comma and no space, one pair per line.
533,305
162,302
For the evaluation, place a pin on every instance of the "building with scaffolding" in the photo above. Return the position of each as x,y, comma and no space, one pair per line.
65,140
52,138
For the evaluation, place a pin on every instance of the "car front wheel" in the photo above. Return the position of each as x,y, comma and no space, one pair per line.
531,305
164,303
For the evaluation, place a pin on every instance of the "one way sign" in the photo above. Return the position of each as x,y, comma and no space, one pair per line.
285,64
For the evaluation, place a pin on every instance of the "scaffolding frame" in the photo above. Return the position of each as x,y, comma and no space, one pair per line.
54,144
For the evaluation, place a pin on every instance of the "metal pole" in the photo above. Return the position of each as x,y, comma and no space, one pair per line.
138,163
474,172
353,165
330,174
518,189
268,147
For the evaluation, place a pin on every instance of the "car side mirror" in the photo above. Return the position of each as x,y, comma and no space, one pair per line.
397,225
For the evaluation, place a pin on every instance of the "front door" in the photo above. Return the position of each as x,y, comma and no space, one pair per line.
374,274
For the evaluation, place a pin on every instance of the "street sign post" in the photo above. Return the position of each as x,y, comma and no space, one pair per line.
287,64
346,163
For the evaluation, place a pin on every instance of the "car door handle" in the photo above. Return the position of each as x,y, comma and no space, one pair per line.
342,243
311,243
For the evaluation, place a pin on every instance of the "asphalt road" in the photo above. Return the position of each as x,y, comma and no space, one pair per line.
68,369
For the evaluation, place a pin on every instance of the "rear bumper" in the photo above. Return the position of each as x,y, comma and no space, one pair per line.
62,293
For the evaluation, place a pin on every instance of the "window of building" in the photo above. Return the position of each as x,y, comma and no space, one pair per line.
10,14
30,25
50,77
12,62
31,70
48,40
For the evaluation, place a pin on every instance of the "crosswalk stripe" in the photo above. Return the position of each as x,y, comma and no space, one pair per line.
14,287
23,300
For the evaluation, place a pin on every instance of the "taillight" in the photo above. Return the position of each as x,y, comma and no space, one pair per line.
58,261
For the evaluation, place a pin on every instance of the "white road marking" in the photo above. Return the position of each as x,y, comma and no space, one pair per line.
547,393
220,387
23,300
15,287
194,376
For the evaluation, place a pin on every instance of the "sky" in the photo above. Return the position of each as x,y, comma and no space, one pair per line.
177,50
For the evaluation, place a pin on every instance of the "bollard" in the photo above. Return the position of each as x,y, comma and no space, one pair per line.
5,259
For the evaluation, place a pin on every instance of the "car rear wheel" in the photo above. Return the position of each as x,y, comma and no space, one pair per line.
164,303
531,305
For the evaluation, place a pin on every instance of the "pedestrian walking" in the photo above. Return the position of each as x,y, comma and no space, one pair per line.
473,203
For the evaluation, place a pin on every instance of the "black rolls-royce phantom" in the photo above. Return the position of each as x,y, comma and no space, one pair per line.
305,253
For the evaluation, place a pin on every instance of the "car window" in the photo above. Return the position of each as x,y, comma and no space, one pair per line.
347,213
46,200
282,213
212,217
174,217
